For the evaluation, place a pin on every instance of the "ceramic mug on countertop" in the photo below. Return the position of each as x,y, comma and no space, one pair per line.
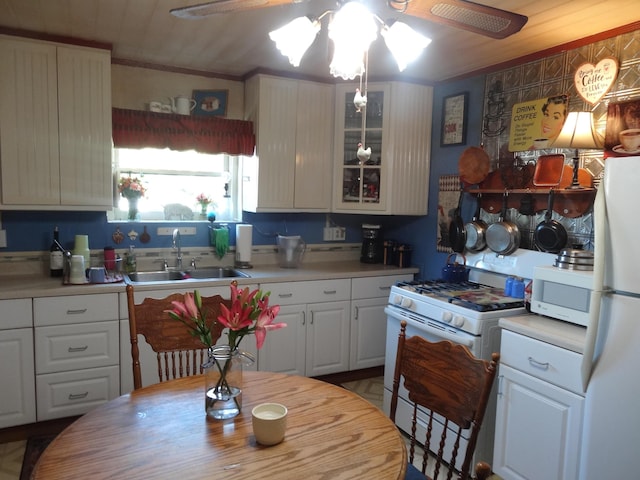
97,275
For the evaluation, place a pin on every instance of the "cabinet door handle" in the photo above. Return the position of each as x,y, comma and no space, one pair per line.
77,312
285,295
77,349
541,365
304,318
384,288
78,396
330,292
356,311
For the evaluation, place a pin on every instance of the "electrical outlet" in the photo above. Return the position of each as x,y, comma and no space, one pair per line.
332,234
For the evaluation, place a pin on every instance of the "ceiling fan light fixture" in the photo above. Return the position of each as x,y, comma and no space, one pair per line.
404,43
295,38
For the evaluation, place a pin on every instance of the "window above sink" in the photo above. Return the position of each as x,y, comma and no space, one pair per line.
173,180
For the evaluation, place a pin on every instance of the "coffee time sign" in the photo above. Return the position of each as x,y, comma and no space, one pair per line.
594,81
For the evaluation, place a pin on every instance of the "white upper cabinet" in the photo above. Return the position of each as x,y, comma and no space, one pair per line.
291,171
55,126
394,180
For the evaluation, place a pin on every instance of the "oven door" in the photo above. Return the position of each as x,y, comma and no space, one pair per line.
432,331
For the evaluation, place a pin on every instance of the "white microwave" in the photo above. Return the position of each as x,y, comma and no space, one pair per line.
562,294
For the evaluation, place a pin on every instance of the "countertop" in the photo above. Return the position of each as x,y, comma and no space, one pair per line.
26,286
556,332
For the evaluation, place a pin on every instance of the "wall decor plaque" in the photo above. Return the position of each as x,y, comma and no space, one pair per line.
594,81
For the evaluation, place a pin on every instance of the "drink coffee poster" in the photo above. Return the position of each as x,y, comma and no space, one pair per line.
622,137
537,123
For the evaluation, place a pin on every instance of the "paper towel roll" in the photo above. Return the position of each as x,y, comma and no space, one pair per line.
244,238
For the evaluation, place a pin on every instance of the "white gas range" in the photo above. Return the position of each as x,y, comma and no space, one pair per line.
465,313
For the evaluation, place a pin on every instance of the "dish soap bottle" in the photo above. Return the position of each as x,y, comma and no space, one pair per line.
56,255
130,264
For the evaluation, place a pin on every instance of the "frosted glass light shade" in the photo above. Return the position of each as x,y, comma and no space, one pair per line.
352,30
404,43
578,131
295,38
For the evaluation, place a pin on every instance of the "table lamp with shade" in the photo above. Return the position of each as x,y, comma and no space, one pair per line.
578,132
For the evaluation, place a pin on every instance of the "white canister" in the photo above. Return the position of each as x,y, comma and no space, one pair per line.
77,275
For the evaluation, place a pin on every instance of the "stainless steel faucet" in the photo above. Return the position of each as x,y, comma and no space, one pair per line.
177,246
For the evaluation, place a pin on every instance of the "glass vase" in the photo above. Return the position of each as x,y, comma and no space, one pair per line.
223,381
133,208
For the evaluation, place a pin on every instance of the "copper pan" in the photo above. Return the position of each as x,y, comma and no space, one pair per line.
473,165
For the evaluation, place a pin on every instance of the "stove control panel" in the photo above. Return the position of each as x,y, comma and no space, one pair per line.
455,320
404,302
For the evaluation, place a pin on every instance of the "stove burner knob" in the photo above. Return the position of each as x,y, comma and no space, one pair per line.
397,299
406,303
447,316
457,321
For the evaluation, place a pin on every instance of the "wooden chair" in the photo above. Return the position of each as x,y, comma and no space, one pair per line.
454,386
179,354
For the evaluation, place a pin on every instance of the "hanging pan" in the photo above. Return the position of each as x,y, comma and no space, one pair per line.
503,237
457,233
550,235
476,231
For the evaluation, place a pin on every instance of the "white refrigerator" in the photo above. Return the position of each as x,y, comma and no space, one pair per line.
611,365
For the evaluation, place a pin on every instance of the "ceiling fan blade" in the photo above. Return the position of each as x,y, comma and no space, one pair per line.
474,17
224,6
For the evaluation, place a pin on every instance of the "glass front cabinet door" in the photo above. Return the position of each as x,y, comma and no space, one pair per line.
359,181
391,175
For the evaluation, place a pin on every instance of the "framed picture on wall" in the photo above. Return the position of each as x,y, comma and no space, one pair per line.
210,102
454,119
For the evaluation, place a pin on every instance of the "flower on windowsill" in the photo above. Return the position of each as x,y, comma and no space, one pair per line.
250,313
203,200
131,187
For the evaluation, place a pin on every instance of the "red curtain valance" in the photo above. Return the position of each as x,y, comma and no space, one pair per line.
140,129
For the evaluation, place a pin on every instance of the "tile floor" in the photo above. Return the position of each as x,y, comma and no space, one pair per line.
11,453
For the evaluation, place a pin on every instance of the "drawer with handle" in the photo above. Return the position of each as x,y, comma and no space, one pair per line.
542,360
71,347
75,309
66,394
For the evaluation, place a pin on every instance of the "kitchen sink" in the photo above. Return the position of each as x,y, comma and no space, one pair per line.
214,272
205,273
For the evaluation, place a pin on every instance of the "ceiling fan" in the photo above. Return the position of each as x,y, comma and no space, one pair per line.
463,14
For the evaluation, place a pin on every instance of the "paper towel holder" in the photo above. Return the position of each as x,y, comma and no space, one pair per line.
243,258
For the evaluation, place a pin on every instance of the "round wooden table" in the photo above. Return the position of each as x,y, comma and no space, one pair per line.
162,432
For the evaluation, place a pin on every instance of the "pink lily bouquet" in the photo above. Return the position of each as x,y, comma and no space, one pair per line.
250,313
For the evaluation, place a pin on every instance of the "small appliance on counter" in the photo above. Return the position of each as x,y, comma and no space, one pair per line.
290,250
372,244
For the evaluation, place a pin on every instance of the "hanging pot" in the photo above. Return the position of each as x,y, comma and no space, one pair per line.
476,231
457,233
454,272
503,237
550,235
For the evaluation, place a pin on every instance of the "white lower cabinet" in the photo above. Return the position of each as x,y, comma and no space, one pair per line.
17,396
316,339
76,353
369,296
539,413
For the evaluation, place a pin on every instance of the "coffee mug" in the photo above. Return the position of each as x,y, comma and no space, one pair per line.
97,275
155,106
269,422
630,139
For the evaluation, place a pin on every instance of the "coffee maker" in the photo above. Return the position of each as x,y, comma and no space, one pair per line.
371,243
